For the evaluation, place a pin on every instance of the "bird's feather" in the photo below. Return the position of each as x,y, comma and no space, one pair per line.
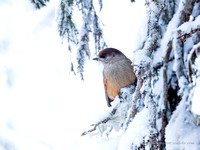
108,100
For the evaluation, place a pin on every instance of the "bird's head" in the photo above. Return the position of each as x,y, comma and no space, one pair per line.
109,55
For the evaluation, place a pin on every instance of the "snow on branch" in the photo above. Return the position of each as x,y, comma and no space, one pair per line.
188,35
190,28
78,31
154,10
39,3
98,124
193,68
117,118
191,59
139,72
66,25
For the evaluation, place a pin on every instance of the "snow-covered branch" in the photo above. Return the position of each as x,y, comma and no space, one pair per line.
39,3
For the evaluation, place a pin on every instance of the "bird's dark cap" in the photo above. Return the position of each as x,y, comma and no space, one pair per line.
109,51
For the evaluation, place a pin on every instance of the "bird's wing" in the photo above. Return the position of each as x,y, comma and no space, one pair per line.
108,100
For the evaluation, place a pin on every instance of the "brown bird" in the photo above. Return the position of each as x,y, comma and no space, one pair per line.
117,72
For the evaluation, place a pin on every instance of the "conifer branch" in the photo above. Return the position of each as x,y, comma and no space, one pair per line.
188,35
165,96
39,3
95,126
193,55
125,99
99,123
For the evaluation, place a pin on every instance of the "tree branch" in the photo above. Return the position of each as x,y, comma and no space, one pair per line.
165,96
95,126
193,55
188,35
104,121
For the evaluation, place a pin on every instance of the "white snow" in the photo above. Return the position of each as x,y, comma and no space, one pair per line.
131,29
168,35
43,106
138,129
196,97
181,133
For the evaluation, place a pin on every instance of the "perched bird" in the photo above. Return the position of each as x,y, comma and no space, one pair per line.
117,72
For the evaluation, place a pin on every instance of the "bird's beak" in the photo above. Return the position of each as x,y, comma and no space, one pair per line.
97,59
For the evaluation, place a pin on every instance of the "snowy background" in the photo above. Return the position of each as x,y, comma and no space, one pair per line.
42,105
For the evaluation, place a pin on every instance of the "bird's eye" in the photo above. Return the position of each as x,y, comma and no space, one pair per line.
103,56
113,55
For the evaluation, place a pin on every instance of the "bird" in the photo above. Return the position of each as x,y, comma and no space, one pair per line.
117,72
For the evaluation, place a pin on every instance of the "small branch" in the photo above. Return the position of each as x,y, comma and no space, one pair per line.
106,125
165,85
161,64
188,35
137,94
192,57
178,48
101,122
165,96
139,71
95,126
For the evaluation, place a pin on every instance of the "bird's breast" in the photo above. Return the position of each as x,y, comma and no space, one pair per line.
118,75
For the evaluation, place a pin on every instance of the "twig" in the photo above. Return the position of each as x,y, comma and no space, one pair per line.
188,35
161,64
165,96
101,122
193,55
95,126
